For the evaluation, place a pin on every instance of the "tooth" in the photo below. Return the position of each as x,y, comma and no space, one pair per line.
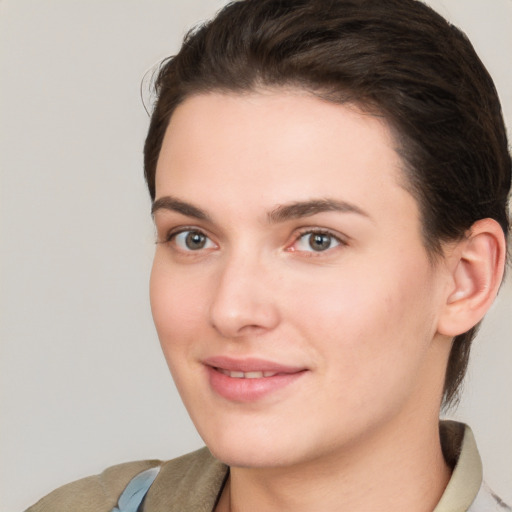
254,375
246,375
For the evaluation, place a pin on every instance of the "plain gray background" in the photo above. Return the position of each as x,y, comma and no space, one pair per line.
82,382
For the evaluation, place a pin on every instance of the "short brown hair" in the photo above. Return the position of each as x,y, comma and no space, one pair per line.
394,58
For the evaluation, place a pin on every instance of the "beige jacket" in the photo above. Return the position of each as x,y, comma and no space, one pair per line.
193,482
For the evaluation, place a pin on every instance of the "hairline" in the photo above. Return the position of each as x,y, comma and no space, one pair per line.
432,245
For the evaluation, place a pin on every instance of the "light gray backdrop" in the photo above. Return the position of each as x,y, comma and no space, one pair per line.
82,381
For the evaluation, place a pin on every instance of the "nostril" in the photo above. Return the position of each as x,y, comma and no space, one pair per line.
245,319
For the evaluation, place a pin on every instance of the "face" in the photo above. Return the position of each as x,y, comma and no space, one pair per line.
291,291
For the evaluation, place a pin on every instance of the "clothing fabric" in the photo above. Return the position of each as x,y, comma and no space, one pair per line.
135,492
194,482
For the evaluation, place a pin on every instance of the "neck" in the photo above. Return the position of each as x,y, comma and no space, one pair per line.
392,470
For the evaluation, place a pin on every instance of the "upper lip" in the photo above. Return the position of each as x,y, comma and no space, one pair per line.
250,364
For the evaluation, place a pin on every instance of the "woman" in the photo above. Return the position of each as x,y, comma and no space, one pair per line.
329,183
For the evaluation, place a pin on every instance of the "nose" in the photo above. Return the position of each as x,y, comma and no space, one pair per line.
244,301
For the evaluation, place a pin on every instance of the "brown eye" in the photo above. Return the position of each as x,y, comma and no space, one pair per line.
319,241
192,240
195,241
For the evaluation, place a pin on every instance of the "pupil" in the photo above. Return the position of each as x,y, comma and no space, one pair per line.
195,240
319,242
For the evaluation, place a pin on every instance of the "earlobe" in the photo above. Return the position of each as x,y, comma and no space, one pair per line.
476,274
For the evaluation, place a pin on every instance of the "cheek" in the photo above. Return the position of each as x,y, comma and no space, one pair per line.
177,304
367,322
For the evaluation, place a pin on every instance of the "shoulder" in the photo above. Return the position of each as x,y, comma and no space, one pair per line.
191,482
100,493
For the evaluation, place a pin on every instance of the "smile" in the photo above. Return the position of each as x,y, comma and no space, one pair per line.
246,375
249,380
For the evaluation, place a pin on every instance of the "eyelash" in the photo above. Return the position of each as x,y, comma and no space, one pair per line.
312,231
172,235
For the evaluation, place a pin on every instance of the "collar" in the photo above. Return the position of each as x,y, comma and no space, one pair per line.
460,451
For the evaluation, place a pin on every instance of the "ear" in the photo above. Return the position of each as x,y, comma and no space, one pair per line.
476,271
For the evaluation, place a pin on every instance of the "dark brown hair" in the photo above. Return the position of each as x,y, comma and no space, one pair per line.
394,58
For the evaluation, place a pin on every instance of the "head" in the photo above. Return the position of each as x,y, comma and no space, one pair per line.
393,59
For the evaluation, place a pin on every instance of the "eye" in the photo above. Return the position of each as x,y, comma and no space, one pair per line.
192,240
316,241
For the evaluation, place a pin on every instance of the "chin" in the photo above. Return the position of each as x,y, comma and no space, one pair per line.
252,456
262,448
246,449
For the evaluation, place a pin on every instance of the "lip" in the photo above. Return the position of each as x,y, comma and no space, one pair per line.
250,364
249,389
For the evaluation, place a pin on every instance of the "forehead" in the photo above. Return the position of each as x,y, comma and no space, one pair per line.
277,146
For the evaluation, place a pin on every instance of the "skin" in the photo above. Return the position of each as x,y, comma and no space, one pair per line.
360,318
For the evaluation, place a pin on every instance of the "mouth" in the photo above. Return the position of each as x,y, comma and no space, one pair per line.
246,375
249,380
249,368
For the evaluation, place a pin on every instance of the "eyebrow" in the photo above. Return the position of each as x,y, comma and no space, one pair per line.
281,213
175,205
307,208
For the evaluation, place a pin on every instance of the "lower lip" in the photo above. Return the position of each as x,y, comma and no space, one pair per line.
249,390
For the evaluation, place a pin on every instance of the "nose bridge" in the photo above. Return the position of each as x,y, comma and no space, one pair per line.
243,300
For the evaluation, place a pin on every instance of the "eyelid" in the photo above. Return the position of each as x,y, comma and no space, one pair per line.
172,233
342,240
169,234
